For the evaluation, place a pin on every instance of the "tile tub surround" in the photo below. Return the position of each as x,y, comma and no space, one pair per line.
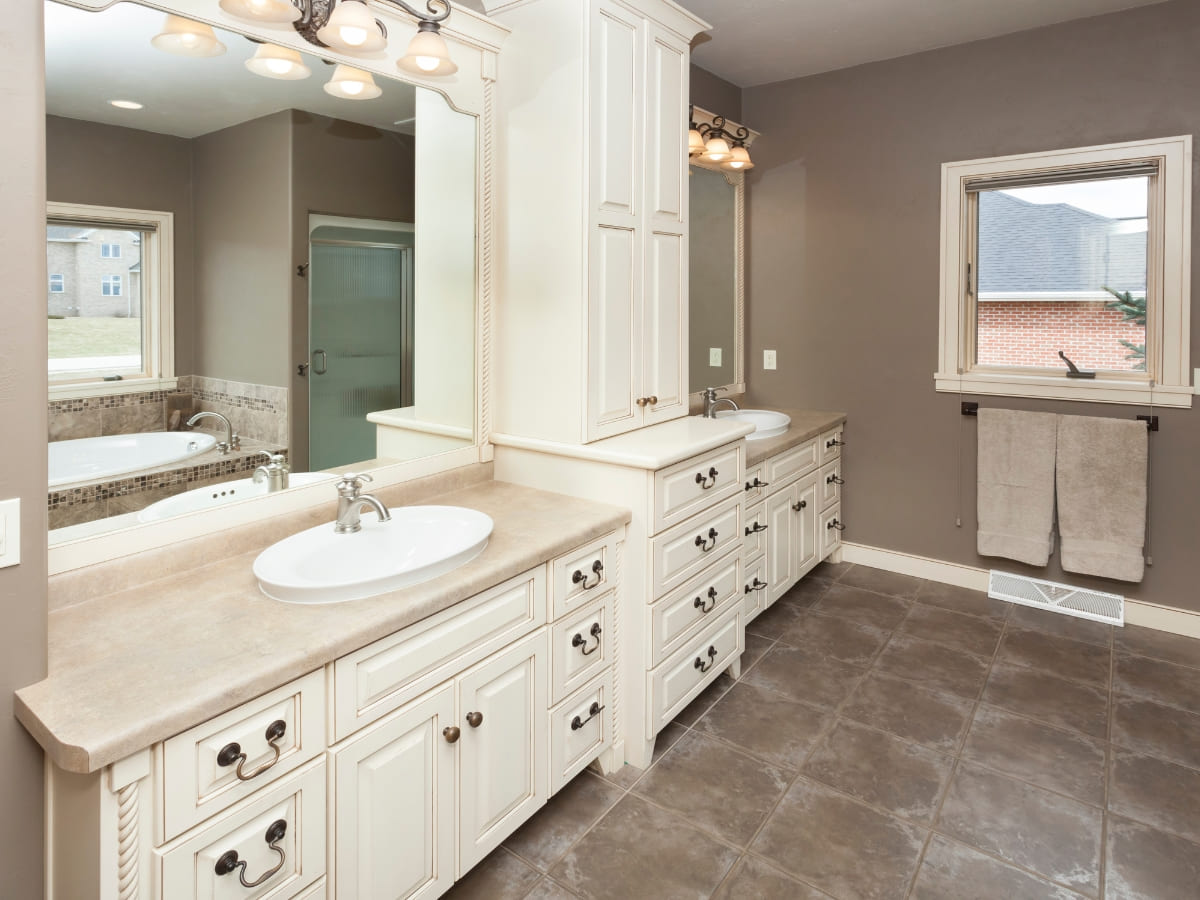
84,417
1038,783
257,411
135,666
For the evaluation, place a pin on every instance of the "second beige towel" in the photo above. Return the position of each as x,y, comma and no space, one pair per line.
1016,485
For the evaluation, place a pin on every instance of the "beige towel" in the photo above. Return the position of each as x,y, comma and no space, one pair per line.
1016,485
1102,496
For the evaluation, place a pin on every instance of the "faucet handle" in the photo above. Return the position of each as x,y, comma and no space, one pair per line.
351,483
274,459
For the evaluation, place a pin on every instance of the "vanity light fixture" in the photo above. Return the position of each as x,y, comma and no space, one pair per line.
350,83
274,11
717,144
183,37
695,138
351,28
273,61
739,160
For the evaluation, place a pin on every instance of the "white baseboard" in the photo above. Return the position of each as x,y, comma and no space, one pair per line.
1137,612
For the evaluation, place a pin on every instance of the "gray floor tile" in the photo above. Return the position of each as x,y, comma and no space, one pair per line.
933,665
639,850
804,676
861,605
715,786
970,633
501,876
1155,792
1145,863
753,879
915,713
1040,695
769,725
705,699
1059,656
962,600
549,890
627,776
1174,648
882,770
1071,627
563,820
836,637
807,591
1156,730
952,871
1063,761
775,619
830,571
881,581
1153,679
1054,836
756,646
841,846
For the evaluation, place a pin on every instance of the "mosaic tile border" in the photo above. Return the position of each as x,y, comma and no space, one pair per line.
111,401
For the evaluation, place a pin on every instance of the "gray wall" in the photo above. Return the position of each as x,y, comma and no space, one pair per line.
843,257
711,92
23,410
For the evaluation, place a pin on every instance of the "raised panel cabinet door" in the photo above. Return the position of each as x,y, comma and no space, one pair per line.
503,775
615,124
394,803
806,542
663,327
613,332
666,142
781,533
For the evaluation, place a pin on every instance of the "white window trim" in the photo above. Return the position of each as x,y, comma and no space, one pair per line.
158,299
1169,338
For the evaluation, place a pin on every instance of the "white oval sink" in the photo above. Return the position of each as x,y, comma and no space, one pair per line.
767,423
419,543
220,494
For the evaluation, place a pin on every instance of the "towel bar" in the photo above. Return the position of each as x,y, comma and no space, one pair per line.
970,408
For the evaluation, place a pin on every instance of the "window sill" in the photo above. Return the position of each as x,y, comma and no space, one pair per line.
1098,390
108,388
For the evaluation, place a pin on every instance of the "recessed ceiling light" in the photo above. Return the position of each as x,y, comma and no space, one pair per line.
126,104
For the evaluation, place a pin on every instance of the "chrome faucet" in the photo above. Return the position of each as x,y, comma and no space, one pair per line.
351,501
232,440
711,400
274,473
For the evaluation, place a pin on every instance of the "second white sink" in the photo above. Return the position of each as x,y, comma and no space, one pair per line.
767,423
419,543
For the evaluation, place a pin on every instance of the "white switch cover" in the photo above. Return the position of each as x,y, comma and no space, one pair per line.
714,356
10,532
768,359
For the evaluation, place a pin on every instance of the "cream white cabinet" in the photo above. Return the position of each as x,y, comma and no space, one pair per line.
605,84
792,535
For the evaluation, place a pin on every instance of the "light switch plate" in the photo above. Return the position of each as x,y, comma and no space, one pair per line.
768,359
10,532
714,356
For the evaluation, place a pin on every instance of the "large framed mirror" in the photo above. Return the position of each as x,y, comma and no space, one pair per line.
295,259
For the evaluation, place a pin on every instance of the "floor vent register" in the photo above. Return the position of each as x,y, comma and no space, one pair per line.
1061,598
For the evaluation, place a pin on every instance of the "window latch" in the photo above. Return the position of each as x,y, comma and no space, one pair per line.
1073,370
969,291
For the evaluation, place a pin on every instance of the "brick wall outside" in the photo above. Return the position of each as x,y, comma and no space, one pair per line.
1030,333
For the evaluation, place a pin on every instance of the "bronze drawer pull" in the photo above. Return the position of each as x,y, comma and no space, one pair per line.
835,479
700,604
751,485
704,544
707,481
702,665
597,570
474,719
580,641
229,860
451,733
799,506
593,711
755,529
756,586
232,752
834,442
834,523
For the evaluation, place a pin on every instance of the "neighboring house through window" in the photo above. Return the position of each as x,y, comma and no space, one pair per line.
110,251
57,284
110,285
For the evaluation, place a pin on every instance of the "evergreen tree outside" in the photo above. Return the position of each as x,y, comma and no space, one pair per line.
1132,309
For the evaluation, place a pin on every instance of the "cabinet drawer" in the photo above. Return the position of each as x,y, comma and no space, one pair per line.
703,599
187,868
791,464
583,574
830,530
580,729
830,483
754,589
193,782
690,546
754,529
580,646
675,683
831,445
755,483
689,487
387,674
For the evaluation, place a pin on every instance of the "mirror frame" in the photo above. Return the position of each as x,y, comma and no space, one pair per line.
738,180
475,42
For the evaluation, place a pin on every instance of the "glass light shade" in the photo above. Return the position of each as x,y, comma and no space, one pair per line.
352,29
281,11
183,37
739,159
273,61
717,150
695,143
350,83
427,54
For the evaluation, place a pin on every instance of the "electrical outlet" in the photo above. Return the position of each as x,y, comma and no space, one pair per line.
768,359
714,356
10,532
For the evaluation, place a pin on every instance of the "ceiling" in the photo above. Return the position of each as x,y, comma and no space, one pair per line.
760,41
92,58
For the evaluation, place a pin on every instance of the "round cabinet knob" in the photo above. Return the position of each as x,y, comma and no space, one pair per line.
451,733
652,399
474,719
642,401
799,506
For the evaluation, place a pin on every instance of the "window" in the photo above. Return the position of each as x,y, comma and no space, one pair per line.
113,321
1083,252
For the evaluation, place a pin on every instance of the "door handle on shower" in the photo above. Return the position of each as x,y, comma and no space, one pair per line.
324,366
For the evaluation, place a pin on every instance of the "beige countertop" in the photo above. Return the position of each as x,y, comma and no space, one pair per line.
136,666
806,423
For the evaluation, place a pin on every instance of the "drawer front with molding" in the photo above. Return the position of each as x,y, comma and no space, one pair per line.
786,467
830,530
261,739
695,484
755,531
383,676
830,483
581,644
675,618
831,445
583,574
675,683
278,833
754,589
755,483
580,729
691,546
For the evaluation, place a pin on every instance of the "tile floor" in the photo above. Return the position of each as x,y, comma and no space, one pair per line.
896,738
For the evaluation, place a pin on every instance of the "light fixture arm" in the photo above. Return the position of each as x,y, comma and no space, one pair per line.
314,15
718,130
432,16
